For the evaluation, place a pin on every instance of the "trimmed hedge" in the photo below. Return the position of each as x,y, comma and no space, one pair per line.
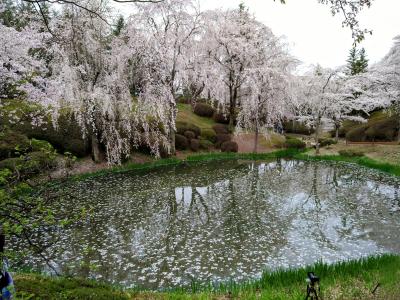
326,142
221,118
181,127
297,127
221,129
222,138
204,110
294,143
382,129
205,144
229,146
209,134
181,142
194,145
189,134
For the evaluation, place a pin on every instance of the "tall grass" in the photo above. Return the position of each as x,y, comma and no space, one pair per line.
280,284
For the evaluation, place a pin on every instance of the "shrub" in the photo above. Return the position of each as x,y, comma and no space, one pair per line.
204,110
194,145
229,146
205,144
221,138
357,134
297,127
345,128
209,135
31,163
221,118
181,142
10,163
383,130
181,127
294,143
12,143
39,145
351,153
221,129
326,142
189,134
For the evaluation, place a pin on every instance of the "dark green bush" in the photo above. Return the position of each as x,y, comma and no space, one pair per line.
221,138
204,110
351,153
229,146
30,163
205,144
221,118
221,129
181,142
345,128
12,143
326,142
294,143
181,127
379,128
209,134
297,127
194,145
357,134
189,134
383,130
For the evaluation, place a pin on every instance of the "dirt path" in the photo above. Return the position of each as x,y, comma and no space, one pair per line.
245,142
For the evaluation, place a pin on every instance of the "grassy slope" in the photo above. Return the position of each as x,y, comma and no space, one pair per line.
346,280
349,280
185,114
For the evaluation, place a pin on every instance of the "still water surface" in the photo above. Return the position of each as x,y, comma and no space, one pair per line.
224,220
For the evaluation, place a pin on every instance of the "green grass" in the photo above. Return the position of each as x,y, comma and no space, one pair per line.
345,280
185,114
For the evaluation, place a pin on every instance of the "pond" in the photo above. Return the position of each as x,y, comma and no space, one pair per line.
223,220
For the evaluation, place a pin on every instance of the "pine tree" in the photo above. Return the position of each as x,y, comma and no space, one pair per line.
119,26
362,62
357,61
352,61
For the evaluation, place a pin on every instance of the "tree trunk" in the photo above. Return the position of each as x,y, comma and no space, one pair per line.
172,140
337,133
398,134
232,107
317,128
171,128
256,139
96,153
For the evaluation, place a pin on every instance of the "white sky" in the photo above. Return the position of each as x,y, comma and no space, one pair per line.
314,36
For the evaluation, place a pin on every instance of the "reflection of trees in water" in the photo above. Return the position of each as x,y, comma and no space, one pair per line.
225,220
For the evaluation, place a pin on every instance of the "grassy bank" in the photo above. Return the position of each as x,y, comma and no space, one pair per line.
345,280
196,158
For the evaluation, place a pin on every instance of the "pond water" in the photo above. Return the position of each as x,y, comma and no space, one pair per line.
223,220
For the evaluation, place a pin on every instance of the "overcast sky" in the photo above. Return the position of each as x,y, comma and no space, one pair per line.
314,35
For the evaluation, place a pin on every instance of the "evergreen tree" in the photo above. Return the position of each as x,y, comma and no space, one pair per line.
352,61
362,62
357,61
119,26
